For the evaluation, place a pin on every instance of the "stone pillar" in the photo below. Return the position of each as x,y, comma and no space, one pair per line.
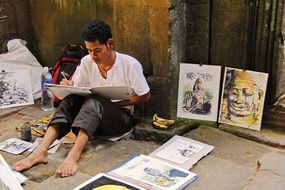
279,53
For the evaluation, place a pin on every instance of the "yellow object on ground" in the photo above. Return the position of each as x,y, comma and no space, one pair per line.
161,123
45,120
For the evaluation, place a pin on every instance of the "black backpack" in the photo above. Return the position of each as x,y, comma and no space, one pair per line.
67,63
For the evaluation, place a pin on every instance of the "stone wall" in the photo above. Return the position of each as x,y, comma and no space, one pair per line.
140,28
245,34
15,16
161,34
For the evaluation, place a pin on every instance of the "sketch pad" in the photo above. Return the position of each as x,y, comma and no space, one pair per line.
109,92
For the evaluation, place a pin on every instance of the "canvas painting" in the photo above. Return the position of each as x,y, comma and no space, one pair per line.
15,88
198,92
243,98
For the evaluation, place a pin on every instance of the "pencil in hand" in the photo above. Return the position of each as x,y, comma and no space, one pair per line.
62,73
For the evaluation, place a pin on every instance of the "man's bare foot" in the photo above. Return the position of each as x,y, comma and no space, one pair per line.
32,160
67,168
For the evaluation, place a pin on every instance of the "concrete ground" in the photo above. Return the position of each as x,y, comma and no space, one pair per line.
241,159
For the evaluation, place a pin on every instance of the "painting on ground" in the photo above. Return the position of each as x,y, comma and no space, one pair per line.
15,88
242,98
198,92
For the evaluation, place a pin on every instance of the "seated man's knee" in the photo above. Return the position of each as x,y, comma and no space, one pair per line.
91,102
71,102
71,99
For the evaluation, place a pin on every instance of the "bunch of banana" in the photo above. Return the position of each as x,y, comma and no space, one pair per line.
161,123
39,132
45,120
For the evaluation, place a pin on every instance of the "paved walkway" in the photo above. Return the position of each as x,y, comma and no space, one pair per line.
236,163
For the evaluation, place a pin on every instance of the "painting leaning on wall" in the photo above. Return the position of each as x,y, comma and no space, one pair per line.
242,98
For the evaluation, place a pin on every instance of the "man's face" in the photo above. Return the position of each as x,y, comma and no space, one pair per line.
240,98
100,53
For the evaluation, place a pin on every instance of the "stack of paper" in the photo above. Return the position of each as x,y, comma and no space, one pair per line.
8,180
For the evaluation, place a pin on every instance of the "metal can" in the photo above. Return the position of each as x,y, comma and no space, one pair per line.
26,133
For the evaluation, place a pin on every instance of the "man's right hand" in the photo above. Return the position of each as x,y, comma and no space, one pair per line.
66,82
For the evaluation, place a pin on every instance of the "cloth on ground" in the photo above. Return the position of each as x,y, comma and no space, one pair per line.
19,57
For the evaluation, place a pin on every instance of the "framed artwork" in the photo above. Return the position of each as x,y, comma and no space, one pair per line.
242,98
15,88
198,92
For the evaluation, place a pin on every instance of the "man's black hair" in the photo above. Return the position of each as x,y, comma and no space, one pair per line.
97,30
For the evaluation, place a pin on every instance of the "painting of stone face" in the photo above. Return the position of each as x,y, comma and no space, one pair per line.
15,88
243,98
198,92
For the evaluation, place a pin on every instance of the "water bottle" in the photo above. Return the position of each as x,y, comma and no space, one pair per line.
47,95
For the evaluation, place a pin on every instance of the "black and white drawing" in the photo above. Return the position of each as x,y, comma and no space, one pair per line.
15,146
15,88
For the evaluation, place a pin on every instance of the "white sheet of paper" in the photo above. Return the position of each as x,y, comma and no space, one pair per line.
52,148
60,91
112,92
7,177
22,179
182,151
114,138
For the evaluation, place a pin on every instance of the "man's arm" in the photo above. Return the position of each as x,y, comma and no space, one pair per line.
135,99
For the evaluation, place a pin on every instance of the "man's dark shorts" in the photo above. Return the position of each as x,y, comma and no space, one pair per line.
92,113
